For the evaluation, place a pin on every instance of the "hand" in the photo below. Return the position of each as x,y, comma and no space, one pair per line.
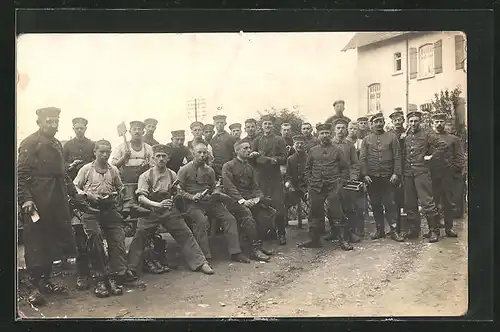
368,179
249,203
28,207
273,161
126,155
393,179
253,154
403,135
167,204
427,158
92,198
288,185
197,197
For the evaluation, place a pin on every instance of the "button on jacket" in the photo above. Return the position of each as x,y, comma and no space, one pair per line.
240,180
419,144
325,165
380,155
452,159
351,157
223,147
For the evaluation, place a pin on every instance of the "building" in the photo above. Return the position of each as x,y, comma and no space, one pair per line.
406,69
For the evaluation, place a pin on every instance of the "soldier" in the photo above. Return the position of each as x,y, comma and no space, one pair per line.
132,159
420,147
156,193
443,169
363,128
78,152
197,183
241,184
42,192
294,179
222,144
150,130
180,153
310,140
101,185
197,132
251,130
286,134
339,106
208,132
348,198
235,130
269,154
324,170
380,159
458,194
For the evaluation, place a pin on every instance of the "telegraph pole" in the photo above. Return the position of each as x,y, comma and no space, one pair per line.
197,108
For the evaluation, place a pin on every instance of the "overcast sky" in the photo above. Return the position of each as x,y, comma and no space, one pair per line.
109,78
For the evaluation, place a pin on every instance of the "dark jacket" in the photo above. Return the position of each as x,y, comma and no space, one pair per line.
325,166
240,180
78,149
453,159
295,167
380,155
351,157
420,144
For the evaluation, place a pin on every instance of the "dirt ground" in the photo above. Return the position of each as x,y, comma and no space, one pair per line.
378,278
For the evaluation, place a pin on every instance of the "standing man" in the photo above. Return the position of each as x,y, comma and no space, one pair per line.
155,192
294,179
420,147
443,170
236,130
270,153
339,107
78,152
363,128
381,168
197,132
310,140
180,152
242,185
459,182
42,193
324,170
132,159
286,134
222,144
208,132
197,183
251,130
150,130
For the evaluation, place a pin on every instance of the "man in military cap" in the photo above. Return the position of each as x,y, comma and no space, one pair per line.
380,159
156,192
269,153
363,128
443,170
251,130
235,130
420,147
310,140
42,193
132,158
339,106
286,134
198,187
150,126
222,145
208,132
295,184
180,153
459,181
325,169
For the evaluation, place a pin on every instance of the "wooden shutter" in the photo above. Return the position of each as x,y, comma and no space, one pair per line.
413,63
438,57
459,52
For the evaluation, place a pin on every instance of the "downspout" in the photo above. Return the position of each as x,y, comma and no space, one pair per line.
407,78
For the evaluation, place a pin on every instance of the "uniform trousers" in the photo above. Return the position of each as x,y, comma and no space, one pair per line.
381,193
317,198
418,189
442,189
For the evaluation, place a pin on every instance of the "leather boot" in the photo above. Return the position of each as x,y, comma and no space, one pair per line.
240,258
205,268
101,290
267,252
379,233
395,235
451,233
150,267
432,222
48,287
82,282
162,267
343,236
256,252
113,287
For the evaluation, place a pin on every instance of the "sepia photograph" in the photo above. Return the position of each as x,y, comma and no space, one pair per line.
250,174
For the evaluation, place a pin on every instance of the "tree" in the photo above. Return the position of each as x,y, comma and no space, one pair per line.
284,115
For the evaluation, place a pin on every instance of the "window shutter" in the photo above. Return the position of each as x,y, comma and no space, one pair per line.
438,57
413,63
459,52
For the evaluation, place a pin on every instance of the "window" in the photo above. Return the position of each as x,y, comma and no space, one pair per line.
397,62
374,98
426,61
459,52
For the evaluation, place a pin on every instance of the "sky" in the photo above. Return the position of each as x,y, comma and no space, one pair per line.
110,78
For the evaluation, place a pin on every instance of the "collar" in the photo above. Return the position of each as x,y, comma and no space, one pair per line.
241,161
339,141
108,166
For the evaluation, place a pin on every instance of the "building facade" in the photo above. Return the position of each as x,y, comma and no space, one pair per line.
406,69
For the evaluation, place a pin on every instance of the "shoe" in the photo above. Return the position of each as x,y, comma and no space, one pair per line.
268,252
36,298
240,258
82,282
162,267
282,240
259,255
151,267
100,289
346,246
396,236
434,236
310,244
379,234
114,288
47,286
129,277
451,233
205,268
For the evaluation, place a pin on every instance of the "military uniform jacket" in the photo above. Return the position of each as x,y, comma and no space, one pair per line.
351,157
74,149
249,139
380,155
325,166
419,144
240,180
177,157
452,160
149,139
295,167
310,142
222,148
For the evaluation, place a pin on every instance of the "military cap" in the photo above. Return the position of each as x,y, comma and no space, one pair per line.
376,116
299,138
267,117
362,118
139,124
339,120
438,116
208,126
286,125
323,126
178,133
80,120
397,112
414,113
235,126
161,148
48,111
338,102
196,124
220,118
251,120
151,121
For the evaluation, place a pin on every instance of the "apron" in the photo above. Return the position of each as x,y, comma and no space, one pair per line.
130,176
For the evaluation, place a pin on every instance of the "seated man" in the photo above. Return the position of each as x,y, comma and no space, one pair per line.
99,182
242,185
156,191
197,183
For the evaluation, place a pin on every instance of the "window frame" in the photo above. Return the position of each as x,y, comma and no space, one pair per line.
394,63
379,92
421,76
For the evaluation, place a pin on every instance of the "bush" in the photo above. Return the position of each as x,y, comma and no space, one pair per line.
283,116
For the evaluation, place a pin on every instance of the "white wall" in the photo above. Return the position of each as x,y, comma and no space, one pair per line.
375,65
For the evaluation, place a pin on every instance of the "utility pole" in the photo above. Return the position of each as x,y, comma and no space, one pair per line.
197,109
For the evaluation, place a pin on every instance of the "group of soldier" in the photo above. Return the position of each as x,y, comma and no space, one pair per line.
242,187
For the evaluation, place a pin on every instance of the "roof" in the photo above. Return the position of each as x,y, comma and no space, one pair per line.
367,38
